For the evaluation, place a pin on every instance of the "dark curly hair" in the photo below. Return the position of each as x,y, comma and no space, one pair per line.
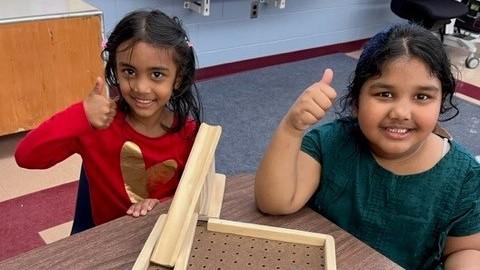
160,30
396,41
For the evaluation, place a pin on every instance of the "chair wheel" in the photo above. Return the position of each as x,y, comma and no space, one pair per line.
472,62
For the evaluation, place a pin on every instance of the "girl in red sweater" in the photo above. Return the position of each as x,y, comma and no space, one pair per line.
135,143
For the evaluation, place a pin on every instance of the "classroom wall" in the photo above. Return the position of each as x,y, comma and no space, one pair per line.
230,35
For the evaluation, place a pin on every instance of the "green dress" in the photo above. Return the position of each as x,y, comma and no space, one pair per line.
405,217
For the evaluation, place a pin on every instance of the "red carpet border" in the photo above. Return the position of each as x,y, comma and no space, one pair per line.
23,217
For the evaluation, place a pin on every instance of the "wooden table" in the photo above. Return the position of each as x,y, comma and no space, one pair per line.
116,244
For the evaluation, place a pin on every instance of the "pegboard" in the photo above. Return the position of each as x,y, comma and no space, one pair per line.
224,251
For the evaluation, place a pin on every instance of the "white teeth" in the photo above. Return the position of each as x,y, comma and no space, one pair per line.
397,130
144,101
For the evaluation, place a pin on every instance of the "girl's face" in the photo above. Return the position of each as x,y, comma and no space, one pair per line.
398,110
147,76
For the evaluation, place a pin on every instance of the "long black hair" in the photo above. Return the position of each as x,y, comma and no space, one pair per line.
396,41
158,29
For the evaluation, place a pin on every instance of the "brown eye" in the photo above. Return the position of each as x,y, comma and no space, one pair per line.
385,94
157,75
422,97
128,72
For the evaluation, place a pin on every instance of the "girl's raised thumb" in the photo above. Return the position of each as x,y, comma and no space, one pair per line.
99,88
327,76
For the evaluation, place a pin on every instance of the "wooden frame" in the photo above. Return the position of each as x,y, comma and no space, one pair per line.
143,259
199,196
279,234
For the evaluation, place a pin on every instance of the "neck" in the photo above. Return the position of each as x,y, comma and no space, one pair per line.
408,164
427,154
151,126
400,159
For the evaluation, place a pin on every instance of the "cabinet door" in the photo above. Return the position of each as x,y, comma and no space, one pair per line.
45,66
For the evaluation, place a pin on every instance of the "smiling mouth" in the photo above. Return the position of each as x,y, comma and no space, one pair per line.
397,130
143,101
397,133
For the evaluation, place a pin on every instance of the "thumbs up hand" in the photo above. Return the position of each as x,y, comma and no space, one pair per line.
99,108
312,105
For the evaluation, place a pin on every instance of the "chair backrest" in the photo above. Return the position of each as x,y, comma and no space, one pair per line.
471,20
83,211
431,14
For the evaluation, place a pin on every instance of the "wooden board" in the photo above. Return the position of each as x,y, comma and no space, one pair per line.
143,259
211,198
184,203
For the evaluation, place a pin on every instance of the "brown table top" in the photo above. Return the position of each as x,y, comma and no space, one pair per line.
116,244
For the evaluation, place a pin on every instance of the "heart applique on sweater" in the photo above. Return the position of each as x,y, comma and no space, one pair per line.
139,181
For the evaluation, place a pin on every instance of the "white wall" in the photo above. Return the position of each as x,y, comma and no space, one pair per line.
230,35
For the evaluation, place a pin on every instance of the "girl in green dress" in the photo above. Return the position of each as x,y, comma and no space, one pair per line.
383,171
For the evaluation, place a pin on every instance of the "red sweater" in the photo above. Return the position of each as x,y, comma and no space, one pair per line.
69,132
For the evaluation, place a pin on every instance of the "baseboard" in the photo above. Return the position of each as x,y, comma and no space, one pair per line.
245,65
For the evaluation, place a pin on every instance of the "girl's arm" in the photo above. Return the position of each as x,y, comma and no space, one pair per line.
58,137
463,252
287,177
54,140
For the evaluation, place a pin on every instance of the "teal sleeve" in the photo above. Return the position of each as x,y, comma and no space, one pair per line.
467,213
311,144
328,140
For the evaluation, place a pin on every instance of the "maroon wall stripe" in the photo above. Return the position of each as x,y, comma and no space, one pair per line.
235,67
469,90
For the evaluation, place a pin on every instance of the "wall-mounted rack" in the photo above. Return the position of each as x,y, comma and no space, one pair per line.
202,7
255,6
276,3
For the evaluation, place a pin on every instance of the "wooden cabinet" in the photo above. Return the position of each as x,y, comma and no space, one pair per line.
46,65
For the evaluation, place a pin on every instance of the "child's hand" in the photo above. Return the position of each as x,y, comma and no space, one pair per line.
142,208
100,109
312,105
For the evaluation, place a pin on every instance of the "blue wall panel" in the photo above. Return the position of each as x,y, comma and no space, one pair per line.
230,35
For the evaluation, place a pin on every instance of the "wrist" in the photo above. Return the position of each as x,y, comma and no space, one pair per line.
285,127
87,115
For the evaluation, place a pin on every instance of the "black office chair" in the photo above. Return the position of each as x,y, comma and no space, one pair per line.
435,15
83,211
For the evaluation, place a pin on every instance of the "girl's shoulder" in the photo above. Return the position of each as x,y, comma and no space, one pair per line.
190,129
459,156
340,137
336,131
457,170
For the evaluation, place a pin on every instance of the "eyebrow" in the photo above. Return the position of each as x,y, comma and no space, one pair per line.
150,68
429,88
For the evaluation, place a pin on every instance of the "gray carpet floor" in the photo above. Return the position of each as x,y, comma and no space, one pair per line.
249,106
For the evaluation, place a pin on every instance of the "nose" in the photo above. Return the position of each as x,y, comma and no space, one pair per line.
401,110
140,85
